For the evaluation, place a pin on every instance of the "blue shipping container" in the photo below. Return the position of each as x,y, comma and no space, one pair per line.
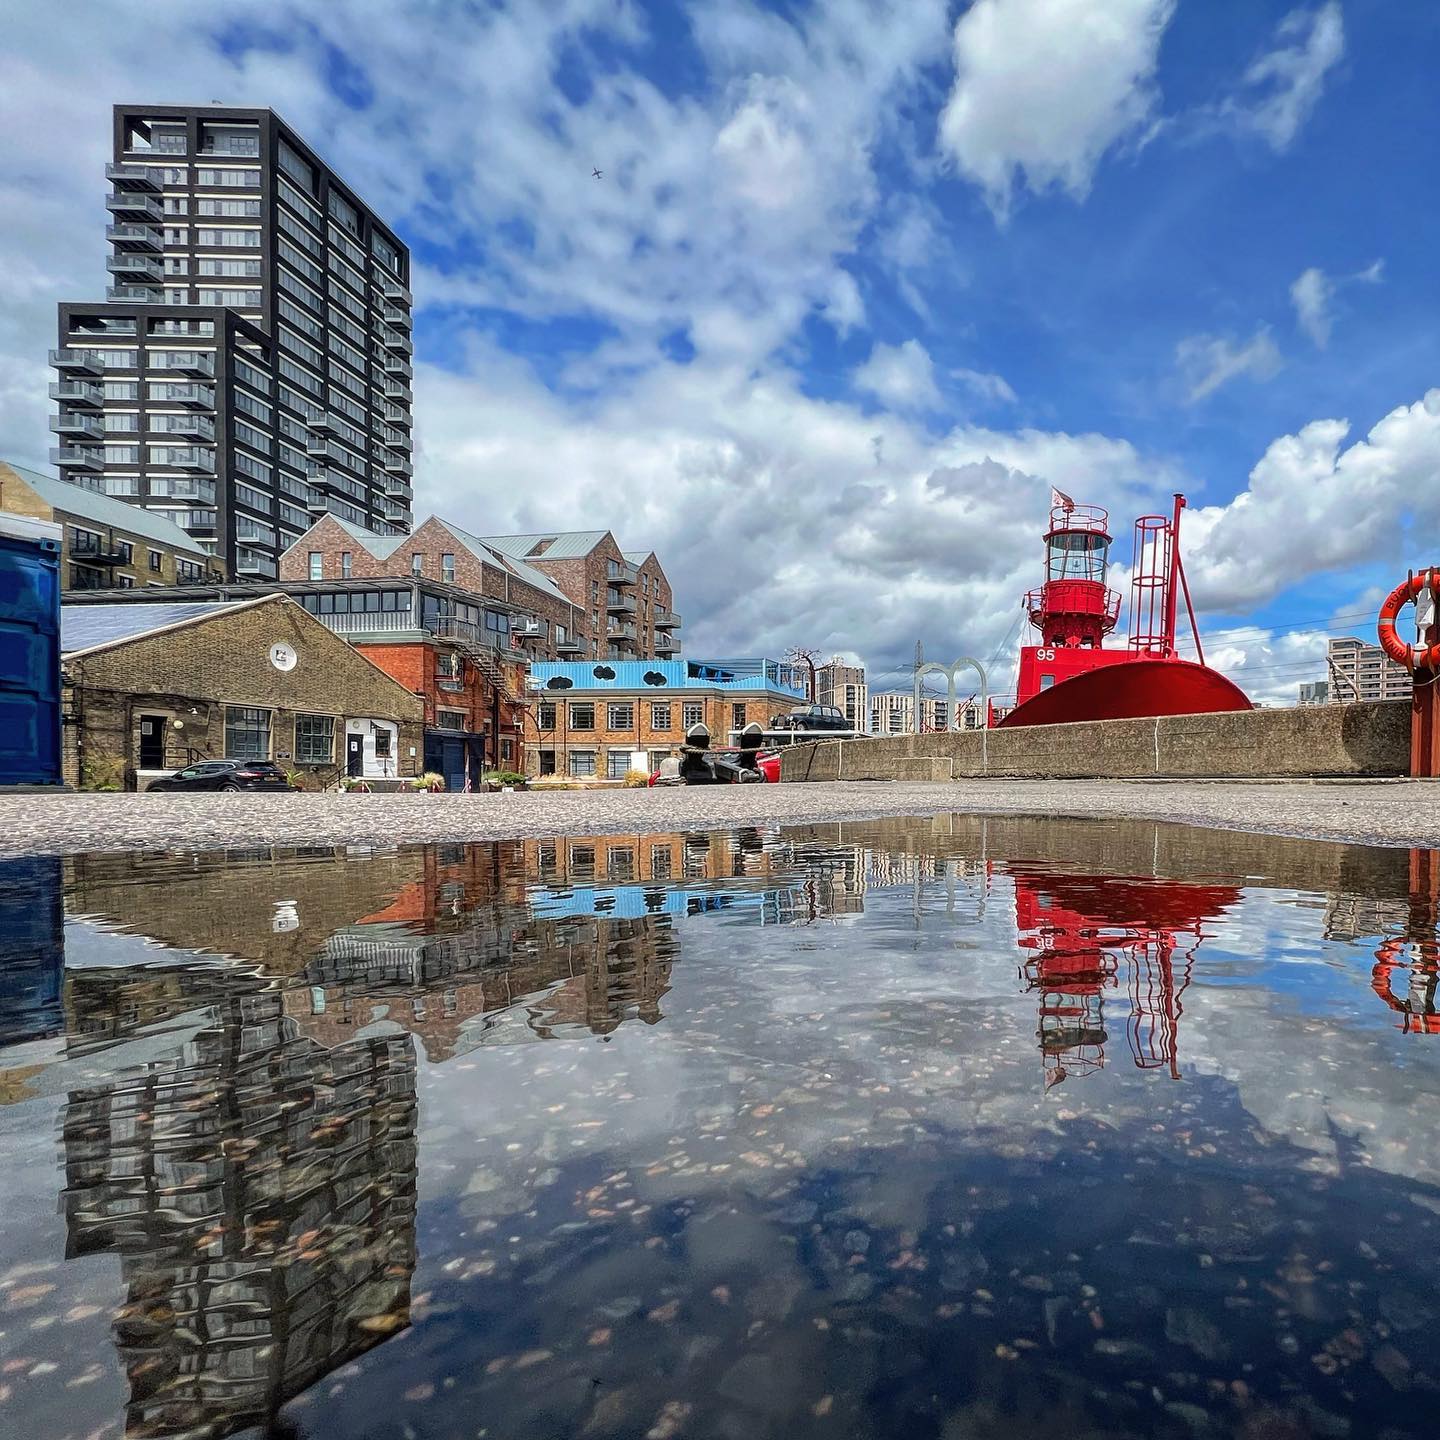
29,652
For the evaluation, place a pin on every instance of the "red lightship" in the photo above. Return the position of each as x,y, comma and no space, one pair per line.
1070,675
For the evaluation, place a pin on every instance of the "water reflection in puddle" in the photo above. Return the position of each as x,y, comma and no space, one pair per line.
952,1127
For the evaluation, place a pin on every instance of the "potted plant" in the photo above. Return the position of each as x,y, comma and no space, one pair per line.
429,783
505,780
354,785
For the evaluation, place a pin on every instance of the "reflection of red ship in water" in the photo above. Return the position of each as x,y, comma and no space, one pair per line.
1415,954
1089,936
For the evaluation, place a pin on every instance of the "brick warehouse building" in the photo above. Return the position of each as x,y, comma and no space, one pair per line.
549,625
150,688
588,719
586,597
450,647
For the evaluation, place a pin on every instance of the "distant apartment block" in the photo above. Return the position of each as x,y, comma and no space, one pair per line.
892,712
842,685
250,365
1364,672
1315,692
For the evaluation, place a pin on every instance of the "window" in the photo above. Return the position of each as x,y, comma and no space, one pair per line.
345,564
229,239
450,719
692,712
417,564
661,862
582,764
447,569
382,744
545,716
224,265
582,717
155,561
295,166
317,565
659,714
620,716
244,299
127,551
617,764
620,862
737,715
314,739
231,179
234,209
582,857
247,733
507,751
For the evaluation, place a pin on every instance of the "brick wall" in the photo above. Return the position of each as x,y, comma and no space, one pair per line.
431,541
719,713
225,661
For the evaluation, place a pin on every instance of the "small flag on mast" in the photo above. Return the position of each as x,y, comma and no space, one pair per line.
1059,500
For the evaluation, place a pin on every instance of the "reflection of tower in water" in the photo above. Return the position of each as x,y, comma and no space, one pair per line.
260,1192
1088,936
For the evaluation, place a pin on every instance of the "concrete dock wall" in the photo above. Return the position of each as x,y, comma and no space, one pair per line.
1313,740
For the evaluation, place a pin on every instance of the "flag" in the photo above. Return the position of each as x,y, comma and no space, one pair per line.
1059,500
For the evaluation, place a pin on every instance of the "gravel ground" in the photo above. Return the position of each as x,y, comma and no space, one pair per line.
1386,812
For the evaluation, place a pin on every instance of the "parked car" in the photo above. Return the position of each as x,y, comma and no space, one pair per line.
768,764
226,775
812,717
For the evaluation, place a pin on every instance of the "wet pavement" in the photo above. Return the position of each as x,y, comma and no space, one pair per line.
1379,811
956,1126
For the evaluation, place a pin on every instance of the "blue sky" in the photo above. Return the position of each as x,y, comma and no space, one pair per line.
861,282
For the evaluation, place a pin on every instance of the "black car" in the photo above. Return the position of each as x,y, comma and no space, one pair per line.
226,775
812,718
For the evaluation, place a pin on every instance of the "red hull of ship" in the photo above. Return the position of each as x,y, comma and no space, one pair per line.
1129,690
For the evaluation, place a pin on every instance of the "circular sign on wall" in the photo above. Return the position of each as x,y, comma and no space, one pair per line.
282,657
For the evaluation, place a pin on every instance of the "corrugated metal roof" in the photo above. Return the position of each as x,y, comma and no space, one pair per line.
105,510
637,557
484,550
82,627
758,674
564,544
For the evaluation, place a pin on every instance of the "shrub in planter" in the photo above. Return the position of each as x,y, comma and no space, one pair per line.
497,779
636,779
350,783
429,783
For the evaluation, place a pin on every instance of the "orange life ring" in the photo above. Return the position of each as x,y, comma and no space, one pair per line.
1391,957
1426,657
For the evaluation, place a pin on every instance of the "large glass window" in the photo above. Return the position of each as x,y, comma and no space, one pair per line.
617,764
247,733
582,717
620,716
582,764
314,739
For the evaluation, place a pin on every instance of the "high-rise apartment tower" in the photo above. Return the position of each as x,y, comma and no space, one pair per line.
250,367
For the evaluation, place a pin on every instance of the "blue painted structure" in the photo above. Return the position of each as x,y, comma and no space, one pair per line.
32,948
29,652
758,675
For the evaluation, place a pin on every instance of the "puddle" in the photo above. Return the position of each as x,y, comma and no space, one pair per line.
950,1127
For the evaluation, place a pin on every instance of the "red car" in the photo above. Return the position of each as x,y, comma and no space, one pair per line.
768,763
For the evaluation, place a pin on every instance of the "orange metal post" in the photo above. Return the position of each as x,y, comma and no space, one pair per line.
1425,705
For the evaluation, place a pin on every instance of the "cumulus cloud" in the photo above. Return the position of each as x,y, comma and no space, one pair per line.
1206,362
1282,87
903,376
1314,505
1044,88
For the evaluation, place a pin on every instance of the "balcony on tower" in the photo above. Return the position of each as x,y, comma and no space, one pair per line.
76,362
132,264
78,393
76,457
135,238
75,425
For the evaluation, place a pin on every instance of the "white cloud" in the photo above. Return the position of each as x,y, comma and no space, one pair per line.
1314,292
1281,88
1313,507
989,387
1207,362
903,376
1311,295
1044,88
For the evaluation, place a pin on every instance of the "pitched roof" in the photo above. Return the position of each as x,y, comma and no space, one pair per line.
382,547
563,544
637,557
92,627
507,560
106,510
